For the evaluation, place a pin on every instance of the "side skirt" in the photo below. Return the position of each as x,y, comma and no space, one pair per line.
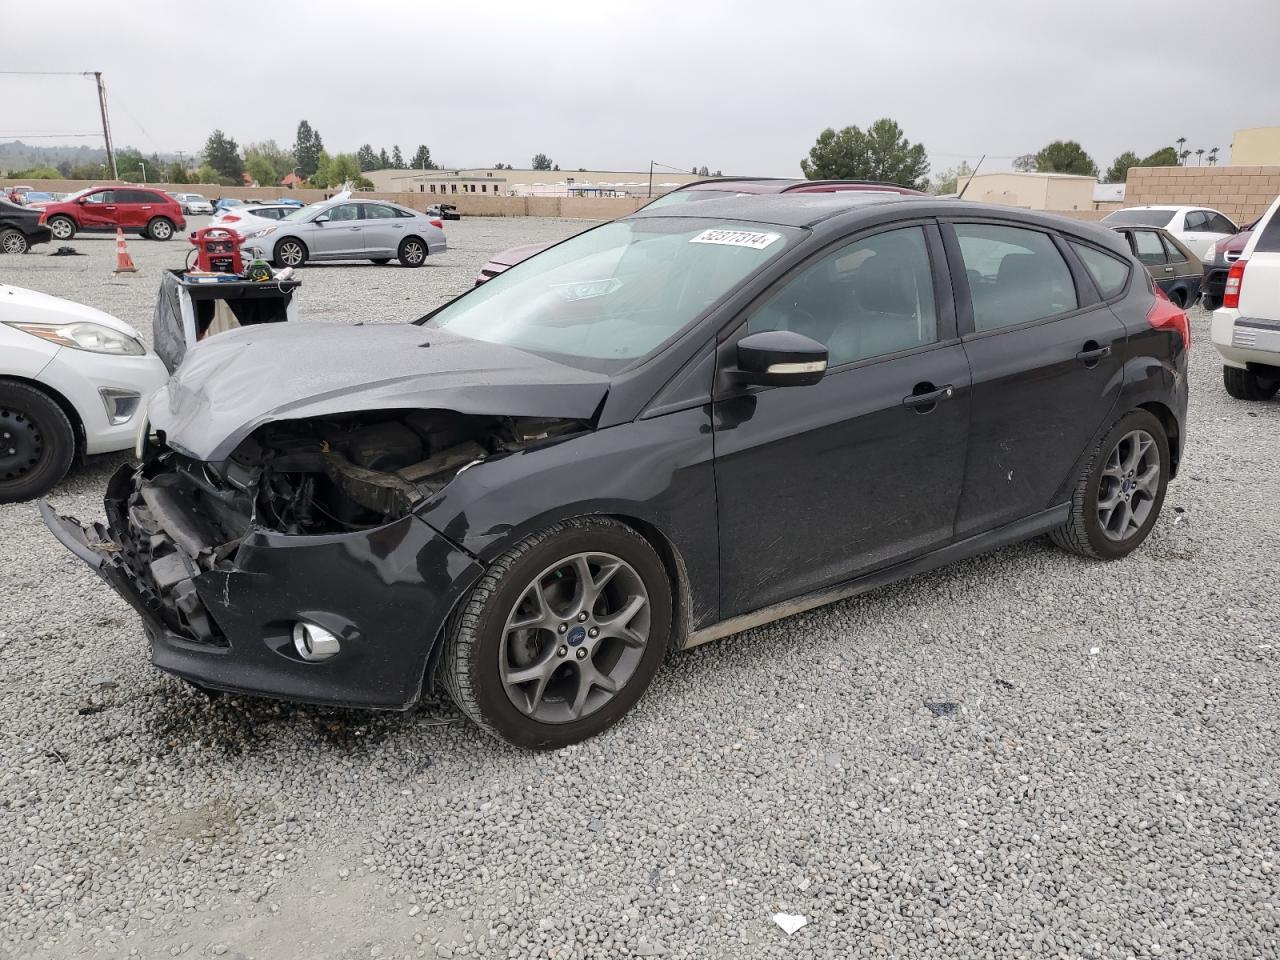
1014,532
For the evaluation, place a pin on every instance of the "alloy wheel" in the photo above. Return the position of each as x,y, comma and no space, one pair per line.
161,230
13,242
574,638
1128,485
291,254
414,252
61,228
21,444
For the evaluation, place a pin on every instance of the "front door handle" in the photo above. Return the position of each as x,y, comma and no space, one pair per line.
1168,269
926,401
1092,354
353,228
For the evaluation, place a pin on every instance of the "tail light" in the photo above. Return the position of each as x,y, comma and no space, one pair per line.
44,217
1167,315
438,224
228,218
1235,280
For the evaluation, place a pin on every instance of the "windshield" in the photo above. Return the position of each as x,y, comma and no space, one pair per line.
1141,218
305,213
615,294
689,196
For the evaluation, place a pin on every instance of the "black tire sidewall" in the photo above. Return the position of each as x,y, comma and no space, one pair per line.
151,228
275,254
65,219
401,256
1105,547
59,439
490,694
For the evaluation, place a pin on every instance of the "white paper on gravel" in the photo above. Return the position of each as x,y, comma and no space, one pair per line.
790,922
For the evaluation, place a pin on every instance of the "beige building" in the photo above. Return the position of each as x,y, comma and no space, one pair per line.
1031,191
1256,147
528,183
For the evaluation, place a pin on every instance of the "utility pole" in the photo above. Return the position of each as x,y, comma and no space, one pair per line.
106,127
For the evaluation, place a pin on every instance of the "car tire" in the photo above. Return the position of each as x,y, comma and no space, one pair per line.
13,241
289,252
380,261
62,228
1210,303
555,711
1098,529
37,442
161,228
412,252
1178,296
1246,385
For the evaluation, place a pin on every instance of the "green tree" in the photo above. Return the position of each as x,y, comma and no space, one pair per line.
339,169
37,173
1065,156
397,158
949,180
222,153
268,162
1119,168
367,159
881,153
541,161
175,173
422,158
307,147
1025,163
383,160
1164,157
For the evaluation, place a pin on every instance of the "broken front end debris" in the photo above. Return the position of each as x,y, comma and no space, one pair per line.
297,567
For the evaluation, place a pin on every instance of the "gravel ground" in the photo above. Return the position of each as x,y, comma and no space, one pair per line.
1022,755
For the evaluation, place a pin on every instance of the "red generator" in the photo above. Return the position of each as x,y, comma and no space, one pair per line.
217,250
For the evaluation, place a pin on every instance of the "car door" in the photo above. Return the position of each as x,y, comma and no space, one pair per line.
1046,359
98,210
1152,254
1201,229
142,206
340,236
383,230
818,484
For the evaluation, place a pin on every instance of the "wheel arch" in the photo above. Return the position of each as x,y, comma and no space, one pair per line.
73,415
1165,415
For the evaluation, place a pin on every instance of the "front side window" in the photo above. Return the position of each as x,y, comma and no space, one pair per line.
1015,275
614,294
1148,248
867,299
345,211
102,196
1108,272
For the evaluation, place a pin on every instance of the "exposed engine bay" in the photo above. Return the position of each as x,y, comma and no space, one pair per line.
183,517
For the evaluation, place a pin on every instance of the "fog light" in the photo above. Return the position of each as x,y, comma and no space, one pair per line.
312,642
121,404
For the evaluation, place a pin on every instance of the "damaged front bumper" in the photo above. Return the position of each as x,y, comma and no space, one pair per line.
226,622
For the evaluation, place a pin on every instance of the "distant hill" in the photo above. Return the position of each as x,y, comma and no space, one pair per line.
16,155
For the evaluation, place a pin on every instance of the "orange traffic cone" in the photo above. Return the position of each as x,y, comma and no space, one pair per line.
124,262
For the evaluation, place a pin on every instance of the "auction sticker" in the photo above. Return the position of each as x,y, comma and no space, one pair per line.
737,238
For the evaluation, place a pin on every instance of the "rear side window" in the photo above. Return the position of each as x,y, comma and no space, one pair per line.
1015,275
378,211
1197,220
1108,272
1148,248
1269,239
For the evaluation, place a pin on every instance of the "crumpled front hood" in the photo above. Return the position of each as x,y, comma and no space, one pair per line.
233,383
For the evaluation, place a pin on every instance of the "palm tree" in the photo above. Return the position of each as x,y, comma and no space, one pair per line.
1213,157
1199,154
1180,141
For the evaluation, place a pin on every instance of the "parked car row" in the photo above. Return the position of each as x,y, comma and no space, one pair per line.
1245,328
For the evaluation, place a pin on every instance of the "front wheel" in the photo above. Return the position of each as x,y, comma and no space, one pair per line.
1246,385
62,228
1118,496
12,241
561,636
290,253
412,252
37,442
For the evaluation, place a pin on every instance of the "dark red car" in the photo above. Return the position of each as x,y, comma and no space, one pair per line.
1217,264
141,210
718,188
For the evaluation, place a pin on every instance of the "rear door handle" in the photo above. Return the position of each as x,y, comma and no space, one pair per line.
1090,357
1168,269
919,400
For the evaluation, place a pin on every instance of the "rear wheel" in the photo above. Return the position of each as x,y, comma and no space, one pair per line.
1179,297
62,228
37,442
1246,385
13,241
1210,303
1118,497
161,228
561,636
290,252
412,252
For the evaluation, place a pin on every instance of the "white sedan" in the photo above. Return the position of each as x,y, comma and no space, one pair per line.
1199,228
73,380
252,217
193,203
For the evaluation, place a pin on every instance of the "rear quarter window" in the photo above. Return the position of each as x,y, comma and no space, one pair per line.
1269,239
1108,272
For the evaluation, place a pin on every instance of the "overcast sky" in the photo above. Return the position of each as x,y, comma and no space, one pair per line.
742,87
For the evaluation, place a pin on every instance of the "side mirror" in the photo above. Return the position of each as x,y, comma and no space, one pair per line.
323,218
82,201
780,358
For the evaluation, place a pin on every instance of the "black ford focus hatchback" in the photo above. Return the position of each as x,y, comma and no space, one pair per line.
662,431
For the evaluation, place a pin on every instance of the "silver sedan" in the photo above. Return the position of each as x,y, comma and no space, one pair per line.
349,229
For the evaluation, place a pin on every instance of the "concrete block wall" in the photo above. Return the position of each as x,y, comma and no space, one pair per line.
1242,193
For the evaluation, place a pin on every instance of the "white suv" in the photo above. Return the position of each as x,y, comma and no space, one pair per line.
1246,328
